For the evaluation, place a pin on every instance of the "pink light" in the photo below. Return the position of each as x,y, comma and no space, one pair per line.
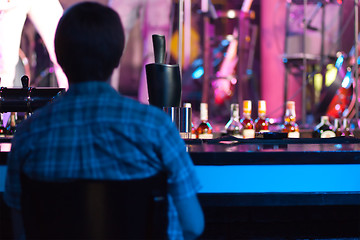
233,81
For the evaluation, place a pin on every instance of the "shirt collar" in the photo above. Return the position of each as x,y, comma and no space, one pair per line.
90,87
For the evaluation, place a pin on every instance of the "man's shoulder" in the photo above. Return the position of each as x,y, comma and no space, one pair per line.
146,112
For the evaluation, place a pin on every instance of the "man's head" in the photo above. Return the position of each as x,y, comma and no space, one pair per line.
89,42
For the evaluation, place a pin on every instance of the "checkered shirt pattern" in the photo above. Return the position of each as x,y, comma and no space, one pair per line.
92,132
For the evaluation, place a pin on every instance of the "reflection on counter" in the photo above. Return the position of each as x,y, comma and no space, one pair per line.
5,147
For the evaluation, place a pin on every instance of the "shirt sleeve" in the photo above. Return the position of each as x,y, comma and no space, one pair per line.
182,179
12,192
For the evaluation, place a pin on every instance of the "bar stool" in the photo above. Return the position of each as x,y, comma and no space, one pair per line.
95,209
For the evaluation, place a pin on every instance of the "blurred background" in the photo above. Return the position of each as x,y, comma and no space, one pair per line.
255,56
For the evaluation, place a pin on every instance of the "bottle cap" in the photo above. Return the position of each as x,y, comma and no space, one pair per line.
290,105
204,111
324,119
187,105
234,108
262,106
247,106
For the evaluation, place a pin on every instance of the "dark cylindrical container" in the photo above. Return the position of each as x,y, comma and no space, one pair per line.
164,85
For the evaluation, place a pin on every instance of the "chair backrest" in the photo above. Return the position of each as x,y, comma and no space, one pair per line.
95,209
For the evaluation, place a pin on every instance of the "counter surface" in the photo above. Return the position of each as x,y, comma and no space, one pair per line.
264,172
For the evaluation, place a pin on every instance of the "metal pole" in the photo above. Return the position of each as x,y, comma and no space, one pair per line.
356,70
242,28
286,79
304,75
181,34
322,50
187,32
206,51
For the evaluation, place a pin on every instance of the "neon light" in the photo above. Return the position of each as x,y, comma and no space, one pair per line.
224,42
197,62
330,75
318,78
198,73
339,62
347,80
279,178
231,14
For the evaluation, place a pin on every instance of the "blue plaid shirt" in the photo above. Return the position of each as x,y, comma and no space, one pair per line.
94,132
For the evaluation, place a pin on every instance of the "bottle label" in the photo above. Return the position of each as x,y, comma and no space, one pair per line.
237,135
293,135
185,135
264,131
205,136
204,112
327,134
249,133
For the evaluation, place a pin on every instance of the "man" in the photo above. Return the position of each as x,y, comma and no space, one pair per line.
154,16
94,132
13,13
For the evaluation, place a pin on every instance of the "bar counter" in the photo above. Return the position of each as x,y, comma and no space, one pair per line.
279,188
273,172
327,168
249,184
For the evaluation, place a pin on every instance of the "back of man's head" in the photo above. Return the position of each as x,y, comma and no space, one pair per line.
89,42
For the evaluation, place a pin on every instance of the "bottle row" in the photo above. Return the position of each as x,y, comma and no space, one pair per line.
246,127
326,130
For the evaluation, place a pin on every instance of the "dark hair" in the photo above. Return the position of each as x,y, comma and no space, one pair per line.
89,42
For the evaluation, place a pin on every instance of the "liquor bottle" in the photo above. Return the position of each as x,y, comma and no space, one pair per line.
262,123
337,127
346,128
324,129
233,127
2,128
193,130
290,126
246,121
11,128
204,130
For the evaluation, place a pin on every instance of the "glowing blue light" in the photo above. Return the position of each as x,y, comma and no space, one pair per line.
198,73
285,60
347,80
339,62
224,43
358,61
197,62
249,71
279,178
